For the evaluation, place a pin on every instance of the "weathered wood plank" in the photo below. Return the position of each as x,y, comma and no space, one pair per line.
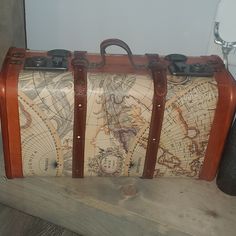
17,223
81,212
125,206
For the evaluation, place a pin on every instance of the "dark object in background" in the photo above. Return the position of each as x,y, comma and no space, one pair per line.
226,179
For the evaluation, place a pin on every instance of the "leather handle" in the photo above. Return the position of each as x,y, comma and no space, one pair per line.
114,42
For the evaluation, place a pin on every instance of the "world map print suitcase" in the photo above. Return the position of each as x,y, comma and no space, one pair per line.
81,114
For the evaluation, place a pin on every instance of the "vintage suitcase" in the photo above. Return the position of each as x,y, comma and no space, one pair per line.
80,114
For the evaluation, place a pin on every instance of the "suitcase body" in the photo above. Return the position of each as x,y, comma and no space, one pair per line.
114,118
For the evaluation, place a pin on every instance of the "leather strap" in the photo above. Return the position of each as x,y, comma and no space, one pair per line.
160,90
80,110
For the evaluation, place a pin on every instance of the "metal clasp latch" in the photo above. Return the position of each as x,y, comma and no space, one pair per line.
55,60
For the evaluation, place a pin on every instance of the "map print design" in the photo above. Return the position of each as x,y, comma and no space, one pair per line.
119,113
119,108
188,118
46,107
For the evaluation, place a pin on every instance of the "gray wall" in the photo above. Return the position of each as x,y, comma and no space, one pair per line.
154,26
11,25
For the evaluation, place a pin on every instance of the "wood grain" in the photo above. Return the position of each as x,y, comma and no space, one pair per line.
125,206
16,223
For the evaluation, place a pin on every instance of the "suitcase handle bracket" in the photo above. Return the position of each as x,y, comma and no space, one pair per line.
115,42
